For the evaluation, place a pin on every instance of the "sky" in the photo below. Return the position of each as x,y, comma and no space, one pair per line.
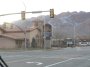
59,6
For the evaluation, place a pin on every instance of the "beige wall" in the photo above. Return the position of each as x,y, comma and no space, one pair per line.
0,31
39,40
16,34
7,42
33,34
21,35
30,35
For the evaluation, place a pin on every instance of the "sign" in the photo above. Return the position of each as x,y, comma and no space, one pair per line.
47,34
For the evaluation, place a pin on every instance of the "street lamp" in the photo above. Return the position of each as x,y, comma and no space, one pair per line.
74,34
23,19
74,28
74,31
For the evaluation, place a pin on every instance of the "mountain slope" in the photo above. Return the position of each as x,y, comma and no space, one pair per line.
64,23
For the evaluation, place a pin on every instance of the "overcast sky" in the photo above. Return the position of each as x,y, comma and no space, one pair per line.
12,6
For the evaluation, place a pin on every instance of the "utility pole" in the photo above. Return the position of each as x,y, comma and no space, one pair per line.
23,17
74,34
47,43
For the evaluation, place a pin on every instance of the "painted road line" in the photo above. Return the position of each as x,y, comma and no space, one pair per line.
15,61
29,62
59,62
37,63
85,57
22,59
18,60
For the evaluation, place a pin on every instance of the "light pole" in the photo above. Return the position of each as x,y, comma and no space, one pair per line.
74,27
25,39
44,31
74,34
24,5
25,26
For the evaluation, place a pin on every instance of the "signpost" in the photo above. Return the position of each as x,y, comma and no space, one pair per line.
47,35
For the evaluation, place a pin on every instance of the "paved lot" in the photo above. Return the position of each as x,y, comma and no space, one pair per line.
66,57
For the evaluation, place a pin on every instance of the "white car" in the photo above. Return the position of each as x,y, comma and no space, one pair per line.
83,43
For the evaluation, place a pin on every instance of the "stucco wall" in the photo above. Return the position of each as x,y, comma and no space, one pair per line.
1,31
16,34
29,36
39,40
19,35
7,42
33,34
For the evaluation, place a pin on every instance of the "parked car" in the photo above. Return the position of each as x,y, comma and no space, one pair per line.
83,43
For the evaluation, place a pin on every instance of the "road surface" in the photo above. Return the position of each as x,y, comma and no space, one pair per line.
64,57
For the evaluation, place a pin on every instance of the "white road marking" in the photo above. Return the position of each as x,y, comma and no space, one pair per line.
18,60
29,57
45,56
67,61
59,62
37,63
29,62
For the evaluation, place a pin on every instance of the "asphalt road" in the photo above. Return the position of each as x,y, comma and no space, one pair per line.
66,57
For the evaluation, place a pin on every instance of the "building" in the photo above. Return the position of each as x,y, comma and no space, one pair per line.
12,36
